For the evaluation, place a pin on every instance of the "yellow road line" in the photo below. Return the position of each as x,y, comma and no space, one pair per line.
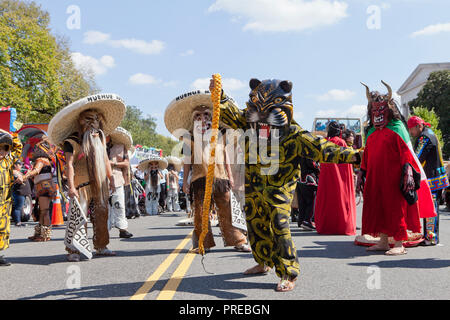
171,287
150,282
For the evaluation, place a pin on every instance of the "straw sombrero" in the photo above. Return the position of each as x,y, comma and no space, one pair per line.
178,114
122,136
143,165
64,123
177,163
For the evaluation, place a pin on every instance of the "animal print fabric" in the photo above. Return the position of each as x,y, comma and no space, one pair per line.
268,197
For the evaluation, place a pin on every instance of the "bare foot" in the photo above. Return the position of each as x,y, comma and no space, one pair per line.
396,251
379,247
258,269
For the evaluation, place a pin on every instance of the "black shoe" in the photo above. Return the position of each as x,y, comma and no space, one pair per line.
3,262
125,234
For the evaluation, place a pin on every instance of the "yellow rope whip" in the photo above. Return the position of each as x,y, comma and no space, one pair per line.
215,97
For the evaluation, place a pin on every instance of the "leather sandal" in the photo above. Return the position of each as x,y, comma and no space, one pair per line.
286,284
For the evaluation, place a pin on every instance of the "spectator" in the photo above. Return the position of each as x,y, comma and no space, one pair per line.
164,188
19,192
306,192
349,137
173,168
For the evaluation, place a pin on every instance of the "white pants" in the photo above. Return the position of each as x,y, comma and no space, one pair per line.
117,218
172,201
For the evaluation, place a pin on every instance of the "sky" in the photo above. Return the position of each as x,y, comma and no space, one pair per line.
150,52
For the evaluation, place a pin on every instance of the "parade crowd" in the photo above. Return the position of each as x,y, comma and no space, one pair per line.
84,160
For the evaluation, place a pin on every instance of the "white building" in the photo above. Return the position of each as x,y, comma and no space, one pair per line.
415,82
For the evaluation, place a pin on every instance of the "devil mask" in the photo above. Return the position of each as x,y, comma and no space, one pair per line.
380,107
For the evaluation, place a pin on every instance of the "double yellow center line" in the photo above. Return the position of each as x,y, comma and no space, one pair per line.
171,287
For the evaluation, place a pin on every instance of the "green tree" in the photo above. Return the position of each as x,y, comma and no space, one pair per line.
37,75
435,95
143,130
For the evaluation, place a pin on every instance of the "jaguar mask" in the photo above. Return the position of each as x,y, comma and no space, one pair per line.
270,108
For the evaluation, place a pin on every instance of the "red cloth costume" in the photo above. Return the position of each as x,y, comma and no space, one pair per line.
335,211
385,209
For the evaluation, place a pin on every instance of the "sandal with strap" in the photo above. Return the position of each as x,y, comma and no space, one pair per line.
396,252
286,284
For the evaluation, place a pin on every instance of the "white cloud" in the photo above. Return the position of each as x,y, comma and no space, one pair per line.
189,52
88,63
139,46
432,30
355,111
228,84
283,15
143,79
135,45
201,84
337,95
94,37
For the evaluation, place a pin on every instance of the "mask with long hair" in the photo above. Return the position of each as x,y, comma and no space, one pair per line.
94,148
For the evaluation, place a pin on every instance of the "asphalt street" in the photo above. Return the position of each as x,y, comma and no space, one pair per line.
155,265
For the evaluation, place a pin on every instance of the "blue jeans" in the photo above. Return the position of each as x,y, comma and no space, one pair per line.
18,202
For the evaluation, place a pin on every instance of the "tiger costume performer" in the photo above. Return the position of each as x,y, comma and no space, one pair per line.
10,151
269,190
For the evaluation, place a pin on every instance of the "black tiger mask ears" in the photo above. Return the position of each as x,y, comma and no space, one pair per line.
254,83
270,102
285,85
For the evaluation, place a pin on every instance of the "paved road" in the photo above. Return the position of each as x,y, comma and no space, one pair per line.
155,264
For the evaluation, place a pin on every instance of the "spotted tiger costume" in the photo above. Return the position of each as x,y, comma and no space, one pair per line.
6,182
269,191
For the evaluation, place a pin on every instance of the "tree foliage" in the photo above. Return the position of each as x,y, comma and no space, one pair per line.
143,130
37,75
435,95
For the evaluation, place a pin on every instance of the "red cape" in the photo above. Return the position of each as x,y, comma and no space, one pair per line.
335,209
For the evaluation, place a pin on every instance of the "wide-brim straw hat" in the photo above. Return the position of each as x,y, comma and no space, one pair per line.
122,136
178,114
65,123
177,163
143,165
